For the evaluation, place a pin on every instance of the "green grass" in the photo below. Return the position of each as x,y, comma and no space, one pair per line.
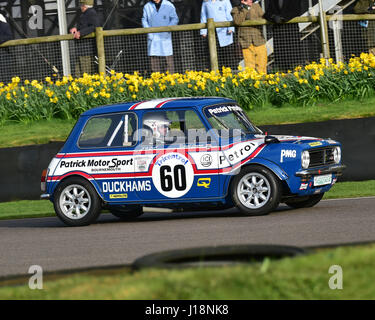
351,189
19,134
304,277
26,209
348,109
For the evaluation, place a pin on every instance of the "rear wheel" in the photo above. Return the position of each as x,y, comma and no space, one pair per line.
305,202
256,191
126,212
76,202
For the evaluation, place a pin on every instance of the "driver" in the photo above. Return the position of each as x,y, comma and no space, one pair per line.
158,124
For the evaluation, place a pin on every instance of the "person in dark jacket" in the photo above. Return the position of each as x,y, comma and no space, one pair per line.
368,27
289,50
86,50
5,55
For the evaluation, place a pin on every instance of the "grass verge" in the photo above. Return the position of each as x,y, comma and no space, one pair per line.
303,277
18,134
43,208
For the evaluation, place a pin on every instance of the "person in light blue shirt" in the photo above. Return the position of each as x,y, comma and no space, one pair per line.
220,11
158,13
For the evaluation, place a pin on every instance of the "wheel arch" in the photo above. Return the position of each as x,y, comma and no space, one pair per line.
274,168
80,175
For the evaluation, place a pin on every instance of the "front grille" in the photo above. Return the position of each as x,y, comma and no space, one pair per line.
321,157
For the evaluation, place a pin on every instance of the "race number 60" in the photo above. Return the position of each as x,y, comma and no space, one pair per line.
173,175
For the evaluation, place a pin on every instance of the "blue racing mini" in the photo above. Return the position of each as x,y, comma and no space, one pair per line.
183,153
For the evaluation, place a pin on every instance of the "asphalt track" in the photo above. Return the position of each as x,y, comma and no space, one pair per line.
48,243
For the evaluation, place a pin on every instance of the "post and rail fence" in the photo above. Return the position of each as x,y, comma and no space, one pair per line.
296,42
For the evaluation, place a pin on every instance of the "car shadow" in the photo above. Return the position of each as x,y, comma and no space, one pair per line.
107,218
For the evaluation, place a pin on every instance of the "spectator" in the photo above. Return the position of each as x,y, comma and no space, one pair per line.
5,56
158,13
220,10
251,38
368,27
86,50
289,51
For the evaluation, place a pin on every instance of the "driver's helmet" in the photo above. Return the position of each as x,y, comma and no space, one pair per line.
158,123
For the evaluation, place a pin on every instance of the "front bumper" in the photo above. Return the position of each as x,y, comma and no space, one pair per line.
308,173
45,196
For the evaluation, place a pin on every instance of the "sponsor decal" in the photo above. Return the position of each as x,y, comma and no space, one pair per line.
303,186
315,144
141,164
173,175
204,182
111,163
124,164
224,109
237,153
206,160
287,154
126,186
118,196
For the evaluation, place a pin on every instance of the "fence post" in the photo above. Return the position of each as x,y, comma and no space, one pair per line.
61,12
100,47
324,32
211,30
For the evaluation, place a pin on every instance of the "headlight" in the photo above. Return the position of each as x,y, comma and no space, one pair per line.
337,154
305,159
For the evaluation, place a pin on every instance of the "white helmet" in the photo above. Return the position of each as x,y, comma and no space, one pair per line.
158,123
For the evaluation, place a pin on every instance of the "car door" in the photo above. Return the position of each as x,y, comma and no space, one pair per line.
110,162
185,166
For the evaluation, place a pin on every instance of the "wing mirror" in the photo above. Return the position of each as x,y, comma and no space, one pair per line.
270,139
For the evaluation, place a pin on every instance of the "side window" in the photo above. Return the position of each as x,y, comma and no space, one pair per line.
171,127
110,130
195,130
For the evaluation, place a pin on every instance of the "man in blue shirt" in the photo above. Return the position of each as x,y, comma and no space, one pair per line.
220,10
158,13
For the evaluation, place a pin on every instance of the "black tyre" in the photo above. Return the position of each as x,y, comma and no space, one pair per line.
126,212
215,256
256,191
305,202
76,202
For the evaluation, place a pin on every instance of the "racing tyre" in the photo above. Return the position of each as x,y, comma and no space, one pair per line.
256,191
305,202
76,202
126,212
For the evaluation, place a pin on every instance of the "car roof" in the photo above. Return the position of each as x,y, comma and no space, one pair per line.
165,103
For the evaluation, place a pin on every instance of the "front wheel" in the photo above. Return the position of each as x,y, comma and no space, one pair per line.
305,202
76,202
256,191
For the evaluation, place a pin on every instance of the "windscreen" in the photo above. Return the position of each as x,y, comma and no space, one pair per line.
230,119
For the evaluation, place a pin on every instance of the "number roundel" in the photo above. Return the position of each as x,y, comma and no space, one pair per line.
173,175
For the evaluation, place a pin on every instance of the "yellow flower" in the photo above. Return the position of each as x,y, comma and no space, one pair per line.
317,88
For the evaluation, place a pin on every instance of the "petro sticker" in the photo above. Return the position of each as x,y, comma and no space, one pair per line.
173,175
